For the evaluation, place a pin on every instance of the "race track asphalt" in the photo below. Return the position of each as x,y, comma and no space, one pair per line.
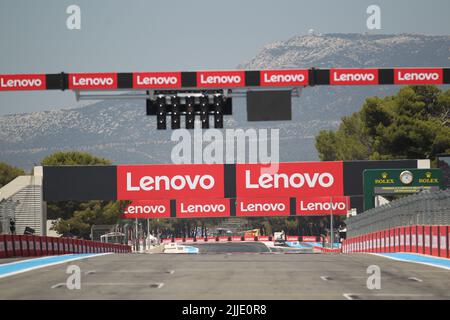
230,247
231,275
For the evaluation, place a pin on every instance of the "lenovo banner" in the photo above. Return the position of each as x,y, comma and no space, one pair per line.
305,179
92,81
143,80
22,82
190,208
338,205
274,78
220,79
418,76
263,207
353,76
147,209
148,182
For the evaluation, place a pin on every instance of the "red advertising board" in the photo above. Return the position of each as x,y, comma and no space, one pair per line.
420,241
402,239
17,245
147,209
38,246
3,253
50,246
203,208
374,242
443,242
302,179
13,82
92,81
353,76
223,238
435,241
427,239
145,80
448,242
338,205
24,244
275,78
380,241
418,76
408,239
397,239
9,245
262,207
220,79
392,240
147,182
414,239
309,239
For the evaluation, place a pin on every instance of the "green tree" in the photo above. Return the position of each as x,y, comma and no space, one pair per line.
75,217
412,124
8,173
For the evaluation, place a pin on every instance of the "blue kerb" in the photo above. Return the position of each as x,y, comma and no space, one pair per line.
418,258
12,267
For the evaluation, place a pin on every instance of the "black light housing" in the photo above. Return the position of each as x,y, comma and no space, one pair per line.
204,111
218,112
176,104
175,117
161,113
190,112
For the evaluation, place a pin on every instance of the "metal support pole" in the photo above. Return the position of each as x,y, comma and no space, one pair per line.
331,223
137,235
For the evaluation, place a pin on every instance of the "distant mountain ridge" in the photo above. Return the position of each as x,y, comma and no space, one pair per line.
120,131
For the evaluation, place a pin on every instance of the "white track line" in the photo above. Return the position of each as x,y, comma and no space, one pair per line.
349,296
156,285
58,285
415,279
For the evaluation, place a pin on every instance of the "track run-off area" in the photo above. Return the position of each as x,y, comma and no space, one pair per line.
229,271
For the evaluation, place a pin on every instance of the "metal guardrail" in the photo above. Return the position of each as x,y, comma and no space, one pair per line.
425,208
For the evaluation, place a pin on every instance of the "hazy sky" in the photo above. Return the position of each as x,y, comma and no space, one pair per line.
148,35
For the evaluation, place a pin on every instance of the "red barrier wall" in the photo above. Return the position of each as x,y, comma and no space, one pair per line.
427,239
408,239
443,242
37,246
2,247
27,246
435,241
430,240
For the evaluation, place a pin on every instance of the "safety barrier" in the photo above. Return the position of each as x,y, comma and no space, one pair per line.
327,250
238,238
423,209
431,240
32,246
